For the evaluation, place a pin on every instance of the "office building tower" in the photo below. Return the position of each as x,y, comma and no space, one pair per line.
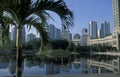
53,32
14,34
0,37
57,34
23,35
66,34
99,33
105,29
30,37
84,36
93,29
116,15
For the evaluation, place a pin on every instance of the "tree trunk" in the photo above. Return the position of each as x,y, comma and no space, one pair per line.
19,53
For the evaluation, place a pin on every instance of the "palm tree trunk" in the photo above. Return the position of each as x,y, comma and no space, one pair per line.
19,53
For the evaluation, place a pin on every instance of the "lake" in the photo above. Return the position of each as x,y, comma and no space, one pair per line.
35,65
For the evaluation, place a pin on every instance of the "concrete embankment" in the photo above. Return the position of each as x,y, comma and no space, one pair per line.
78,75
81,75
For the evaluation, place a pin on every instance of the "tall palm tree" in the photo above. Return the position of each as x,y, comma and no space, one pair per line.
33,13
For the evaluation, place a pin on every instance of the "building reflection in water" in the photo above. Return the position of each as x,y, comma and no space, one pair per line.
12,65
8,62
3,62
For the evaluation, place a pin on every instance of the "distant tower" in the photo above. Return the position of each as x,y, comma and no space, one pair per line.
23,35
14,33
116,15
66,34
84,36
0,37
51,31
57,34
105,28
93,29
30,37
99,33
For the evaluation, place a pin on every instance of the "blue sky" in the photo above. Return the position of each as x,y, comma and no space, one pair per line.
85,11
88,10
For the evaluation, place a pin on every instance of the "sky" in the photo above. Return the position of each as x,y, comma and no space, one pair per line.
86,11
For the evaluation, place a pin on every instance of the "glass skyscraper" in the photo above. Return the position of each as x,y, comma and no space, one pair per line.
93,29
116,15
105,28
14,33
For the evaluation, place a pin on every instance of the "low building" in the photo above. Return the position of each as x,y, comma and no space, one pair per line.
66,35
110,40
77,39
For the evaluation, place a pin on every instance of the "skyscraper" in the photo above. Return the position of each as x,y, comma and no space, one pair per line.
105,28
57,33
0,37
84,36
53,32
30,37
14,33
66,34
93,29
116,15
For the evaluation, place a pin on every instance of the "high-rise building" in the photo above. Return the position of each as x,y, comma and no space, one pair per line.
66,34
105,28
53,32
116,15
93,29
23,35
0,37
99,33
14,33
57,33
84,36
30,37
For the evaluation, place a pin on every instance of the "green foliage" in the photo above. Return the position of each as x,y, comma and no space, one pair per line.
59,44
33,13
71,46
33,44
59,53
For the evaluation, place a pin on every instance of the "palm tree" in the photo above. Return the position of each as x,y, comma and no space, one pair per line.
33,13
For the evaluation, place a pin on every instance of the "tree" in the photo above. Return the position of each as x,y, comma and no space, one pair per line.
59,44
33,13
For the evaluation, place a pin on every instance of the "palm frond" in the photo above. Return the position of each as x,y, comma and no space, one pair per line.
41,30
60,8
